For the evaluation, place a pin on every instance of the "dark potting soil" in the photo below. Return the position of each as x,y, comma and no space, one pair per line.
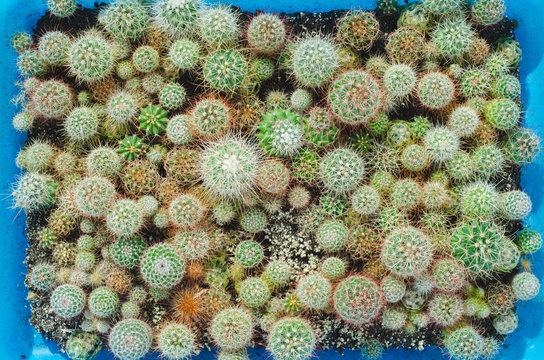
334,333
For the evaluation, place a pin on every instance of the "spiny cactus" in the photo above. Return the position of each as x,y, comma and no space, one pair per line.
127,252
81,124
68,301
441,7
103,302
104,162
266,33
176,341
281,133
406,194
449,275
357,299
393,289
464,343
218,26
529,241
445,310
124,20
358,29
479,200
82,345
161,266
186,211
130,339
254,292
176,17
192,244
277,273
452,37
314,291
42,277
62,8
488,12
153,119
525,286
463,121
225,70
341,170
314,61
90,57
441,143
400,80
332,235
333,268
435,90
506,324
53,47
502,113
521,145
475,82
52,99
406,45
184,54
172,96
124,218
34,191
291,338
232,329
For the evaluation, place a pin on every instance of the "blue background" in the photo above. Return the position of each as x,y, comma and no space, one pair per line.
19,340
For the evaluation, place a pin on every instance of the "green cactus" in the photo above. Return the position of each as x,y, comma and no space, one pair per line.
529,241
281,132
488,12
34,191
291,338
218,26
126,252
400,80
103,161
357,300
184,54
232,329
314,291
42,277
314,61
62,8
81,124
393,289
125,20
153,119
145,59
225,70
435,90
161,266
341,170
130,147
177,18
130,339
176,341
90,58
68,301
254,292
464,343
525,286
52,99
266,33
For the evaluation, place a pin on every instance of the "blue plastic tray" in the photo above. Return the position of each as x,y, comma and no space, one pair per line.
19,340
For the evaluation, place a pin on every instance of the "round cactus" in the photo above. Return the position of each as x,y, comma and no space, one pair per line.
52,99
357,300
441,7
249,253
176,17
176,341
91,58
254,292
449,275
211,117
475,82
407,252
186,211
266,33
366,200
122,107
301,100
53,47
130,310
193,244
281,132
94,196
441,143
479,245
341,170
130,339
225,70
333,268
299,197
124,20
172,96
153,119
314,291
83,345
393,289
479,200
277,273
81,124
42,277
435,90
400,80
526,286
184,54
529,241
506,324
261,69
253,220
355,97
103,302
104,162
394,319
358,29
406,45
406,194
162,267
463,121
273,177
521,146
507,86
514,205
23,121
415,158
62,8
291,338
36,157
488,12
145,59
232,329
68,301
21,41
502,113
126,252
445,310
332,235
124,218
314,61
31,63
464,343
218,26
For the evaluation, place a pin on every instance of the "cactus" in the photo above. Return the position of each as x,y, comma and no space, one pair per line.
355,97
400,80
366,200
488,160
261,69
122,108
254,292
314,61
273,177
90,58
130,310
161,266
479,200
464,343
103,162
266,33
357,300
506,324
475,82
103,302
177,18
445,310
301,100
394,319
52,99
153,119
358,29
415,158
502,113
521,146
130,339
407,252
525,286
85,261
332,235
249,253
37,157
393,289
341,170
435,90
225,70
488,12
333,268
83,345
281,132
441,143
299,197
81,124
68,301
192,244
277,273
145,59
529,241
126,252
314,291
184,54
291,338
441,7
406,45
449,275
125,20
23,121
34,191
21,41
253,221
232,329
218,26
480,246
124,218
463,121
507,86
186,211
62,8
406,194
452,37
53,47
172,96
510,50
130,147
42,277
176,341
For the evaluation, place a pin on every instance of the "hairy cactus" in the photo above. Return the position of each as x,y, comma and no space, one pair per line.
452,37
441,143
225,70
479,200
90,57
124,218
42,277
488,12
407,252
526,286
184,54
254,292
52,99
314,291
228,167
232,329
124,20
81,124
357,299
176,341
291,338
314,61
281,132
341,170
464,343
358,29
145,59
34,191
68,301
266,33
130,339
62,8
177,18
186,211
161,266
400,80
435,90
355,97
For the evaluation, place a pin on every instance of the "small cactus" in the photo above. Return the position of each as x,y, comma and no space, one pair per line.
314,61
130,339
176,341
68,301
266,33
291,338
232,329
357,300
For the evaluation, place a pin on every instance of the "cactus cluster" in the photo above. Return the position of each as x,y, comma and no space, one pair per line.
196,176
